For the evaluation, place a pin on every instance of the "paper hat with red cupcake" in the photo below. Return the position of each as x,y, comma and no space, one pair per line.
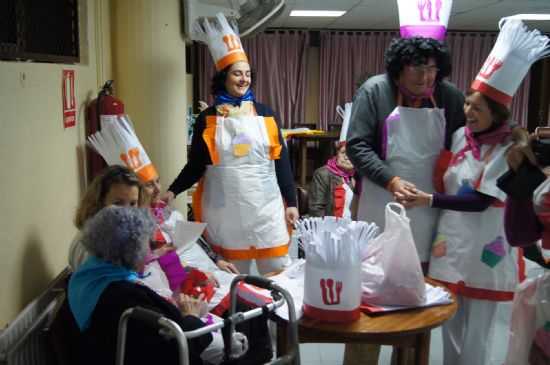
424,18
224,43
118,144
515,50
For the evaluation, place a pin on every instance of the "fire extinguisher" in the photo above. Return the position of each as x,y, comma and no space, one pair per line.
104,105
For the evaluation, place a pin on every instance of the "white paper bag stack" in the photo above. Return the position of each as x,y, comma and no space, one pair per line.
333,248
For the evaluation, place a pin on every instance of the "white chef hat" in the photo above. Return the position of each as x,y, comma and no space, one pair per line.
515,50
224,43
118,144
345,113
424,18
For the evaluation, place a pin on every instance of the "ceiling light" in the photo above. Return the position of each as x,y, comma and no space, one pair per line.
333,13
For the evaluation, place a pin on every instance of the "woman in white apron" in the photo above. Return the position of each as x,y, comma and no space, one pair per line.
239,156
414,139
399,122
470,254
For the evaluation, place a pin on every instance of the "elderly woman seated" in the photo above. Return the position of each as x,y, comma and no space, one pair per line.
107,284
332,187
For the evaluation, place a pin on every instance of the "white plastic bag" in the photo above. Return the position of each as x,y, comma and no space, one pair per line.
530,317
391,273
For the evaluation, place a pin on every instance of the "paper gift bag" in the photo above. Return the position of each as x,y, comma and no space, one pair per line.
332,294
332,278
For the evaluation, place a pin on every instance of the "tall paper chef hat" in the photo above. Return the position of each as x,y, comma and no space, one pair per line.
515,50
424,18
224,43
118,144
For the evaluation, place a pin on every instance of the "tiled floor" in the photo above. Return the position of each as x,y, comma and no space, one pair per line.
332,354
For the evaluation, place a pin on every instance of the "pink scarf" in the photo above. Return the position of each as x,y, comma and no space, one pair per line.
335,169
158,212
474,143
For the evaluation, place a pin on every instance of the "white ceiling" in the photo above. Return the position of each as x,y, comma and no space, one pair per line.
467,15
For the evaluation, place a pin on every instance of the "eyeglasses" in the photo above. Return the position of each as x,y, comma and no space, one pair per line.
431,70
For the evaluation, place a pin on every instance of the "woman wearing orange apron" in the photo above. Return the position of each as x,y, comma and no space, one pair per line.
239,157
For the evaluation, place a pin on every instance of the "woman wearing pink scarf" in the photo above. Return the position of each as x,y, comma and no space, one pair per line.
332,187
470,252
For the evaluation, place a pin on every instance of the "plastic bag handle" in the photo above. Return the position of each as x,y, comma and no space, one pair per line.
399,206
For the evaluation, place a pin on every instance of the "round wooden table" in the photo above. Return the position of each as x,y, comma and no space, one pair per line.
409,328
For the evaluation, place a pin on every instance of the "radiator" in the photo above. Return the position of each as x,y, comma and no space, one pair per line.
22,342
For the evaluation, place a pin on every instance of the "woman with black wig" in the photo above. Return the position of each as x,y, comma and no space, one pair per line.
399,123
239,156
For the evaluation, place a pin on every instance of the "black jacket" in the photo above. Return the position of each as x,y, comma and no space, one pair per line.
97,344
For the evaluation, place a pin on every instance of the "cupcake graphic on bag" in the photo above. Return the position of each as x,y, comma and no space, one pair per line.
493,252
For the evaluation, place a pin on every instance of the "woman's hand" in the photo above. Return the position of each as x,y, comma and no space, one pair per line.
161,251
519,151
168,197
190,306
291,215
403,191
421,199
227,267
211,279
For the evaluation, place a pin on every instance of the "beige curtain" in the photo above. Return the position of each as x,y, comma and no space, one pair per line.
345,56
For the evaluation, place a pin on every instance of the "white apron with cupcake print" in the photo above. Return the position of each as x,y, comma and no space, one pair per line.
470,247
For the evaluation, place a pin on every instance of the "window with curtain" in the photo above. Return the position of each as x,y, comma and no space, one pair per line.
345,56
280,60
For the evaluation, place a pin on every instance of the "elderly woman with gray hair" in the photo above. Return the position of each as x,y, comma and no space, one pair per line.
106,285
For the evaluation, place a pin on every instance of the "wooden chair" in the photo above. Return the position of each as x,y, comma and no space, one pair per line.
302,201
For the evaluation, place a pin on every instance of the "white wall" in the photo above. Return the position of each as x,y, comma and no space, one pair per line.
42,169
150,77
138,44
